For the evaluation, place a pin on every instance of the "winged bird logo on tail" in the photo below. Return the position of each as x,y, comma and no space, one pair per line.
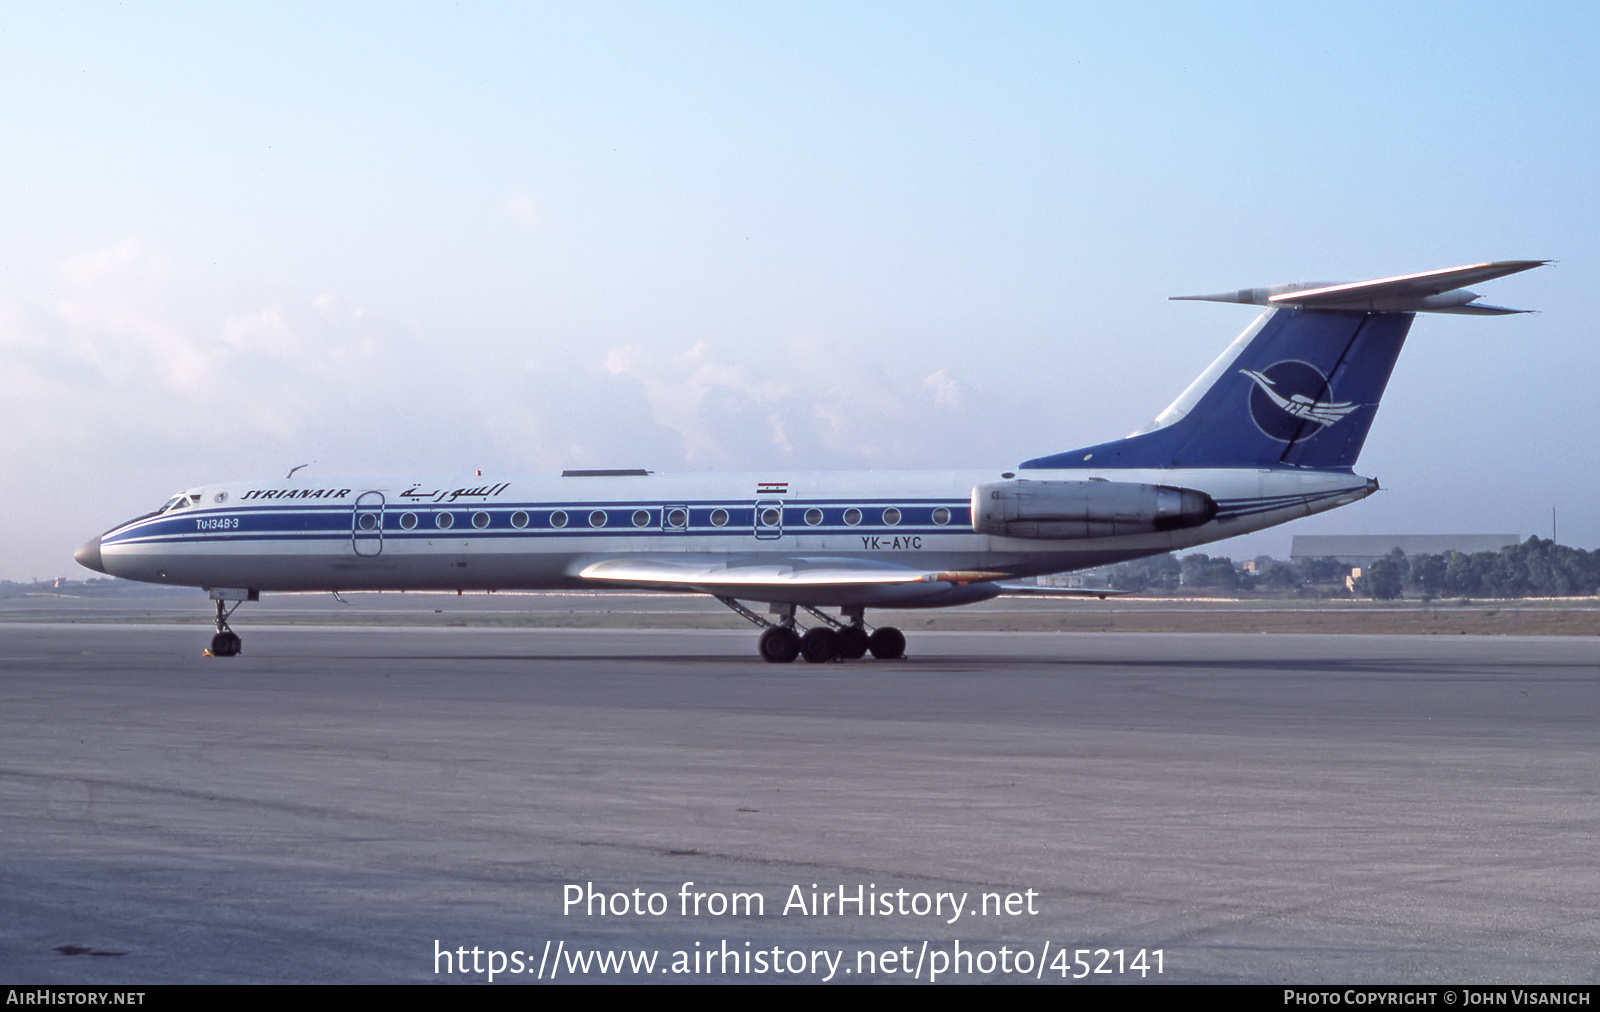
1299,405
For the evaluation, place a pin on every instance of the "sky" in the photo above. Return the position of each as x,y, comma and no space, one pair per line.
429,239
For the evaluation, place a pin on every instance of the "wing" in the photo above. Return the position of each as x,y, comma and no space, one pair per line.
816,580
731,575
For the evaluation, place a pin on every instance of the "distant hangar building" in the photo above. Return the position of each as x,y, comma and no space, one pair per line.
1365,549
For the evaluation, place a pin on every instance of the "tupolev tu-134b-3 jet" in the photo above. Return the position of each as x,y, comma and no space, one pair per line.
1269,433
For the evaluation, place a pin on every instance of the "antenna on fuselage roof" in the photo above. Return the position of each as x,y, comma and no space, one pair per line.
297,467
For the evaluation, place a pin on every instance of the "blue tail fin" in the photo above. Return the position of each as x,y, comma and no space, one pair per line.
1299,388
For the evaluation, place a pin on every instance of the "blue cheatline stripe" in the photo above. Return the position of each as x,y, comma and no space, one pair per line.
1230,508
532,534
390,505
313,507
254,523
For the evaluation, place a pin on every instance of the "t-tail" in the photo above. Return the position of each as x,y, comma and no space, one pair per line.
1300,387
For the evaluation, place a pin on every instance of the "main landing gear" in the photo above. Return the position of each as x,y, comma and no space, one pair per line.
782,641
226,643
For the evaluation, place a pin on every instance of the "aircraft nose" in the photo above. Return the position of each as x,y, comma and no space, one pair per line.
89,556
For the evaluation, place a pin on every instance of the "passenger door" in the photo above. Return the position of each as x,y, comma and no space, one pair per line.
366,524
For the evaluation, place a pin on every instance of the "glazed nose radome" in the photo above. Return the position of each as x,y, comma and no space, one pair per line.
89,555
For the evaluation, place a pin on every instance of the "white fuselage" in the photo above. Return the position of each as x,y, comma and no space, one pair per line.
543,532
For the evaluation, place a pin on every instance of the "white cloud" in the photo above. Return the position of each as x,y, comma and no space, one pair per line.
946,389
523,208
696,396
817,403
110,319
264,331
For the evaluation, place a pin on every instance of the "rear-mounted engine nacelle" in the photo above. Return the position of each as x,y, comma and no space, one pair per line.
1060,510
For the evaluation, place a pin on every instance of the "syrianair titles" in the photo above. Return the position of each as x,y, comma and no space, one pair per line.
1269,433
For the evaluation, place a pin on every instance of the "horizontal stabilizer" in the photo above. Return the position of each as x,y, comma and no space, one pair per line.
1440,291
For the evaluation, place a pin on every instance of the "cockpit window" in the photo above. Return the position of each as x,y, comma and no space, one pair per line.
177,502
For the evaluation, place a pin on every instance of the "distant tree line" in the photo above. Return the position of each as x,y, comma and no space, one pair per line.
1169,574
1537,567
1534,568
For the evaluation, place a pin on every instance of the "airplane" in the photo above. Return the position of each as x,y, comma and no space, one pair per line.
1268,433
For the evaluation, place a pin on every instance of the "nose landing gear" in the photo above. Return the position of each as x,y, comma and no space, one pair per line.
226,643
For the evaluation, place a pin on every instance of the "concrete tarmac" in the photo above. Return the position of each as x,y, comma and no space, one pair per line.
343,804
